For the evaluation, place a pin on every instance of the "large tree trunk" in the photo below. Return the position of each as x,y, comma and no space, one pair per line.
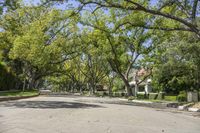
31,83
72,87
89,88
110,88
93,88
24,84
128,90
127,85
81,89
136,89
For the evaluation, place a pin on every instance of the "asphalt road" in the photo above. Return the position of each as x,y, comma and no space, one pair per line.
90,115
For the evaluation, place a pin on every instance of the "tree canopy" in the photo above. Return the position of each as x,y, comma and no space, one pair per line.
91,45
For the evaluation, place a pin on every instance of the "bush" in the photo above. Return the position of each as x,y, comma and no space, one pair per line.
118,94
8,80
114,89
182,97
102,93
161,96
99,94
141,96
153,96
118,85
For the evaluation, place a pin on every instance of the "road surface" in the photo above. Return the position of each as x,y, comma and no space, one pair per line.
70,114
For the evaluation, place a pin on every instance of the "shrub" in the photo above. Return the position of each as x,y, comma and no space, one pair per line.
101,93
105,93
114,89
118,94
161,96
182,97
153,96
8,80
141,96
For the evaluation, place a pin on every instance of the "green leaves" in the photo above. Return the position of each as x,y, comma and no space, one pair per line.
177,63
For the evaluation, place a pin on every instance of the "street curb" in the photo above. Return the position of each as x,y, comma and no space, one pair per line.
152,104
16,98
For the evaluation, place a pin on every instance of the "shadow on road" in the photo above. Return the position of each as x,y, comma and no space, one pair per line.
49,104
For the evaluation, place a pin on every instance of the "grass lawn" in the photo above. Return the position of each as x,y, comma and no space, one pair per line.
20,93
171,98
167,98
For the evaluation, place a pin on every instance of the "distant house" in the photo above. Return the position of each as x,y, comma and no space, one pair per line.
140,80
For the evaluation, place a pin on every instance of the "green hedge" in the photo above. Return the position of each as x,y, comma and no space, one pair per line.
118,94
7,79
102,93
182,97
99,94
141,96
153,96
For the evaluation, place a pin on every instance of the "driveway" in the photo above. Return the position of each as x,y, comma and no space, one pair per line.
69,114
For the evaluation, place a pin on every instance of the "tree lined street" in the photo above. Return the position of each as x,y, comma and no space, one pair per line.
90,60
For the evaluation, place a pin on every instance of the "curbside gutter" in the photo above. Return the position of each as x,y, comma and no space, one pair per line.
161,105
5,98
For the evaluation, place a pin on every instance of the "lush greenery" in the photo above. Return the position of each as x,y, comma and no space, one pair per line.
170,98
182,97
96,45
7,79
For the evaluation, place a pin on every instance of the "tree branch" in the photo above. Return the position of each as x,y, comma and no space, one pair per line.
152,27
138,7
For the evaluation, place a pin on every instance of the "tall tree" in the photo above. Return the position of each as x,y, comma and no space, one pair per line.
41,39
176,66
121,48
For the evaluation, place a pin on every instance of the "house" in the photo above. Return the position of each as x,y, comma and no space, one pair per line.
140,81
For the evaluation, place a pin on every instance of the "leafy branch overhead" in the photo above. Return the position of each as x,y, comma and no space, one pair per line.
183,16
